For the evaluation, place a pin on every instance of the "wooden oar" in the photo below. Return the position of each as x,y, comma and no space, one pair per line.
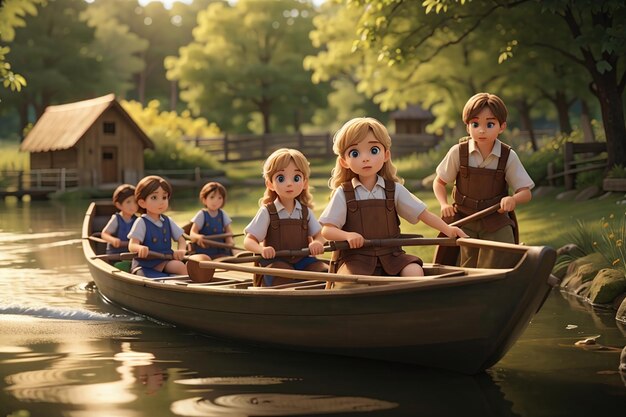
450,255
123,243
308,275
221,236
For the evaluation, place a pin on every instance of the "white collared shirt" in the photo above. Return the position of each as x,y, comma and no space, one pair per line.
514,173
408,206
261,222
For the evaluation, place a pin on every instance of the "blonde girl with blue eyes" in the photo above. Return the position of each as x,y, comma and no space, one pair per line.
285,220
368,199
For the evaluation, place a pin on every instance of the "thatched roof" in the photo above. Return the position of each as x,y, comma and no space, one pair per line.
411,112
61,127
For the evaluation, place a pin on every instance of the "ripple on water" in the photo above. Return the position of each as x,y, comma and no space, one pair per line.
270,404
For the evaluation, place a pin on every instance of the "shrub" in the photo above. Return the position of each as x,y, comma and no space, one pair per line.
167,130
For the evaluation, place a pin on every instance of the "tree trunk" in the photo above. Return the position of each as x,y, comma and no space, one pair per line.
527,123
612,108
562,108
585,122
141,88
23,114
266,111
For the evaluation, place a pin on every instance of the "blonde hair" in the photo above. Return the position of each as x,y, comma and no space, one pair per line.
279,160
351,133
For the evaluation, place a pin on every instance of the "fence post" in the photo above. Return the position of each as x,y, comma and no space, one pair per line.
62,179
20,179
568,157
329,145
197,176
300,142
225,147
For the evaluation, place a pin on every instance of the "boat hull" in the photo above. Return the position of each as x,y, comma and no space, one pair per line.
461,325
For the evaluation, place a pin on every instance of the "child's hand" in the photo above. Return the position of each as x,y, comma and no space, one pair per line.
116,242
143,251
448,210
316,248
179,254
355,240
454,231
268,252
200,242
507,204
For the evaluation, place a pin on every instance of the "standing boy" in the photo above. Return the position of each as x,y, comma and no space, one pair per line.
483,169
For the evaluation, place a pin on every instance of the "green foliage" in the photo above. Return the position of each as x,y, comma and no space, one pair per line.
612,241
167,129
247,58
12,14
421,165
617,171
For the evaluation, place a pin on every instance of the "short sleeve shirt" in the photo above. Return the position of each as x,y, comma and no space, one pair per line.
198,219
261,221
408,206
112,226
514,173
139,228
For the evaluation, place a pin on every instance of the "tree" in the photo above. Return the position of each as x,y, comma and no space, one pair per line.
595,28
12,14
248,58
54,52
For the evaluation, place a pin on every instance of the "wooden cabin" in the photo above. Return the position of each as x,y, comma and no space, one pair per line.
411,120
96,137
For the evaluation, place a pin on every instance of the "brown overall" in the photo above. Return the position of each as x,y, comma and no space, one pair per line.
373,219
478,188
287,234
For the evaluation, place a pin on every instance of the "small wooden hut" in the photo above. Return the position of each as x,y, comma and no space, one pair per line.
412,120
96,137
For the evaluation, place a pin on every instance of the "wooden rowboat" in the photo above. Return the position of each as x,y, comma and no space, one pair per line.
455,318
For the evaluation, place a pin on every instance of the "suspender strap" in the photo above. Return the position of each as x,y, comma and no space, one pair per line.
504,156
390,191
464,157
348,191
305,217
274,220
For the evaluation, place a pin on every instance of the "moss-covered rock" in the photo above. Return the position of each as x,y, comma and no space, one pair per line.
582,270
607,285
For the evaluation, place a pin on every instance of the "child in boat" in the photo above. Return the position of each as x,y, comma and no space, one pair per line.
211,220
367,199
116,230
285,220
154,232
482,169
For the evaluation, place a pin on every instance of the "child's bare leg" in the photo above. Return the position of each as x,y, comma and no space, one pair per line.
412,270
176,267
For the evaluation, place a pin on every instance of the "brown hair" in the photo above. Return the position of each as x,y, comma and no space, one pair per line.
210,187
278,160
351,133
122,192
148,185
481,100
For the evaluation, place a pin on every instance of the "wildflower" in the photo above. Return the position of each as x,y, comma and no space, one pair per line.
615,262
611,236
605,225
611,216
618,242
595,243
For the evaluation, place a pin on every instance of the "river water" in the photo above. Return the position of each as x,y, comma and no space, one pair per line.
65,352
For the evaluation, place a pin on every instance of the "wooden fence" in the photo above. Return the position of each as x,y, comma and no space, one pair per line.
37,182
231,148
593,160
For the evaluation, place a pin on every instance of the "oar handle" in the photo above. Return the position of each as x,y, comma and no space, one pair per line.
221,236
385,243
94,238
126,256
476,216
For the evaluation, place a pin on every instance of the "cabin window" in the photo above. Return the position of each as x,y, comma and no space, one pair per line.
107,155
108,128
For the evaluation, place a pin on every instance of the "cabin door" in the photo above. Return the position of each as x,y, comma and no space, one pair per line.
109,164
